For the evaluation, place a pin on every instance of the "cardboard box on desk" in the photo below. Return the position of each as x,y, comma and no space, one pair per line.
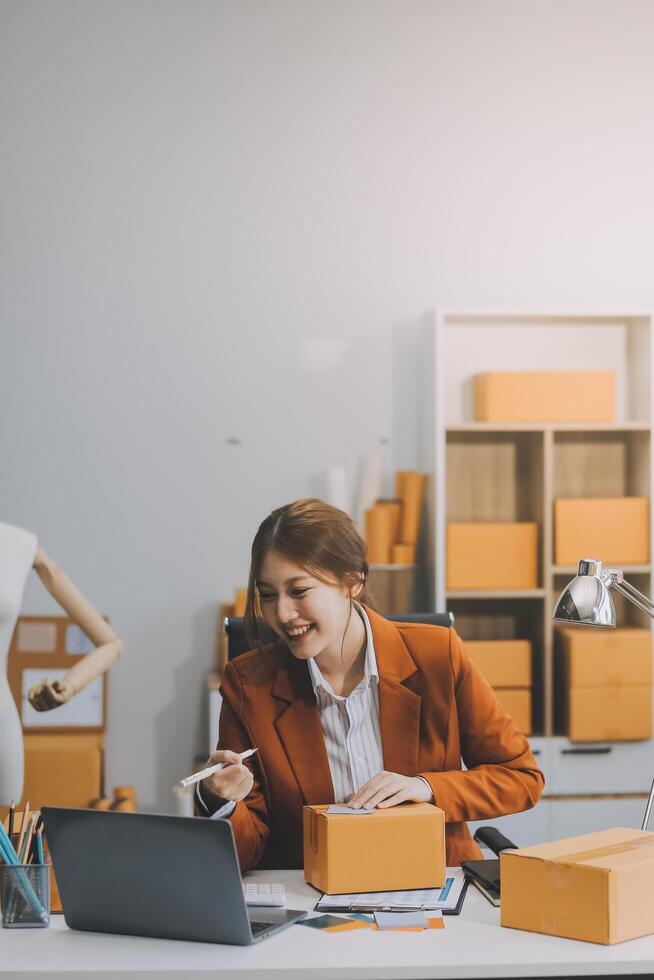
492,556
399,847
613,529
596,888
545,396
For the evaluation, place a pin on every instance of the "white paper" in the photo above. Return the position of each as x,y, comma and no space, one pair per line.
336,494
351,812
82,711
370,486
422,898
401,920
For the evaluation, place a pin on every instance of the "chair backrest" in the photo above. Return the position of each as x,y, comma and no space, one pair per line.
237,641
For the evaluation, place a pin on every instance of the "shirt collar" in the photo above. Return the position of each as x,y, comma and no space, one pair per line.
370,670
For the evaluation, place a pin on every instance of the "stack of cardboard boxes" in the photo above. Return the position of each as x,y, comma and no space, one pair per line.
603,684
506,665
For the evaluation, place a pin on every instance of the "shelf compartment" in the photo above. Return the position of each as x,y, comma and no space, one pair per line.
511,618
601,464
494,476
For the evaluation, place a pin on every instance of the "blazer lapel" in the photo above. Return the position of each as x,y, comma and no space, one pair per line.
399,707
299,728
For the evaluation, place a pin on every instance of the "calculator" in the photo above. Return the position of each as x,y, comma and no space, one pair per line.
259,893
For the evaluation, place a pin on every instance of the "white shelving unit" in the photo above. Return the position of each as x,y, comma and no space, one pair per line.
515,471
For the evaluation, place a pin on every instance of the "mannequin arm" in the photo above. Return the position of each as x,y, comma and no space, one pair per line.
108,646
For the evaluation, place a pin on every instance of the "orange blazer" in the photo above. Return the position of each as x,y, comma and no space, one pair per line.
436,709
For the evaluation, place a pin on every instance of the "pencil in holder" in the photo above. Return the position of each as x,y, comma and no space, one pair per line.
25,895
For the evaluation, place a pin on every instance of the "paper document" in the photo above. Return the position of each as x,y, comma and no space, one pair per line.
445,898
337,808
401,920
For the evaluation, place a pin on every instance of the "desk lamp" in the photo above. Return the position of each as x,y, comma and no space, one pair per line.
586,601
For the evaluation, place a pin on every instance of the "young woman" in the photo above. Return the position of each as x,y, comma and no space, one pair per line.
349,707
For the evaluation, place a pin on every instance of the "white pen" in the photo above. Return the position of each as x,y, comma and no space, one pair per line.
197,776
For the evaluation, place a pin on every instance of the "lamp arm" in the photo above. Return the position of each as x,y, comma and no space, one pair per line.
617,582
629,592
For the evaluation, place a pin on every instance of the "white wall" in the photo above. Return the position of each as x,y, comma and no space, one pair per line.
226,219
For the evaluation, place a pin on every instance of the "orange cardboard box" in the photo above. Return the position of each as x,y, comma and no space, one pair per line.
504,663
62,770
517,703
545,396
492,556
596,888
614,530
603,657
401,847
616,714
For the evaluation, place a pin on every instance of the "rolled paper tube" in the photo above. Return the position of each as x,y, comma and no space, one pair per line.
395,507
370,485
240,599
404,554
412,492
336,490
379,535
399,484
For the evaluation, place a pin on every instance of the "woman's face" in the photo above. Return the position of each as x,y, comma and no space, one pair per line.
308,614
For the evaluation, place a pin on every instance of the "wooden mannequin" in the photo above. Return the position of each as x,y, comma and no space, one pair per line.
108,647
19,552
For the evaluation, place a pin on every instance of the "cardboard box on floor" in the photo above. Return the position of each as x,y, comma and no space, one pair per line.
492,556
596,887
545,396
400,847
504,663
614,530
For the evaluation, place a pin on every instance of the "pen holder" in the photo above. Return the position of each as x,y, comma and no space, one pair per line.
25,895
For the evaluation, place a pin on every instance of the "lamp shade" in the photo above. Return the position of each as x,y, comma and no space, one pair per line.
586,600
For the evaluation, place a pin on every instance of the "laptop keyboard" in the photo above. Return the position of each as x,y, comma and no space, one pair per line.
258,927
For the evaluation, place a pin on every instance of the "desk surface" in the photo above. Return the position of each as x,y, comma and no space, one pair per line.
472,945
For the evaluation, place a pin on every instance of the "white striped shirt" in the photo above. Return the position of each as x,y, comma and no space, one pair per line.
350,725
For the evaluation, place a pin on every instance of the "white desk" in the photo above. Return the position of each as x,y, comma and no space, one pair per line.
471,945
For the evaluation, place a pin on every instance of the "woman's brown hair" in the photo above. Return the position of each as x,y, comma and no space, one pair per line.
322,539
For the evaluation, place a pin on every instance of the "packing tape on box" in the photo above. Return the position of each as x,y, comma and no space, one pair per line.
600,852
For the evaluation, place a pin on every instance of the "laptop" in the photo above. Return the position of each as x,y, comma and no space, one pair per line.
147,875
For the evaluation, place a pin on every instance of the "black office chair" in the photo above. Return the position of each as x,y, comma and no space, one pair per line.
238,642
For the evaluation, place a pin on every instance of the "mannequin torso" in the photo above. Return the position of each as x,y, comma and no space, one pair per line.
17,553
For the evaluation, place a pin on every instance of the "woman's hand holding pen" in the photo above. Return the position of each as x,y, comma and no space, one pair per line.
389,789
234,782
